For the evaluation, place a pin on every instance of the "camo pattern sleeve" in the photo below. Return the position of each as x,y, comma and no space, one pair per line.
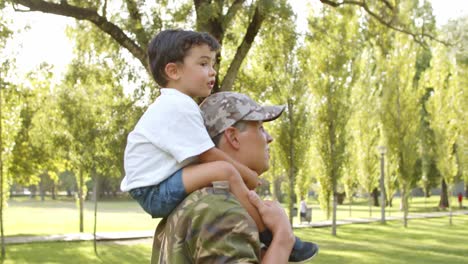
209,226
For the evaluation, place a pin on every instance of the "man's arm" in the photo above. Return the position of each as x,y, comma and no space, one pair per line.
249,176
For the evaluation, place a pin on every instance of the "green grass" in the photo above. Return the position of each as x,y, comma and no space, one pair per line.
34,217
25,216
360,208
425,241
79,253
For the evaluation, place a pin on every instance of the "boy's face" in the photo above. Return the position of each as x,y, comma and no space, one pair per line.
196,74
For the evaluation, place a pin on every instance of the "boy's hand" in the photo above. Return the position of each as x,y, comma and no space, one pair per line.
251,179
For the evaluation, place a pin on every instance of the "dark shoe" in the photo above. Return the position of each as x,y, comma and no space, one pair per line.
303,251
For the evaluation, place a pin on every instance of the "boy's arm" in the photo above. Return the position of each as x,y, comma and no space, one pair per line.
249,176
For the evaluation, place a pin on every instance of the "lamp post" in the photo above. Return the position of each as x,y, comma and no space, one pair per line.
382,150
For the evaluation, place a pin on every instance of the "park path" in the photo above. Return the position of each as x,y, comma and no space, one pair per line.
132,235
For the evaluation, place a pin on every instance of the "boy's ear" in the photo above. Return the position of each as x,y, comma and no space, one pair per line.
231,135
172,71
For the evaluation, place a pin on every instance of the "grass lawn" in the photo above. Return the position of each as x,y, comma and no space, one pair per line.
360,208
35,217
425,241
25,216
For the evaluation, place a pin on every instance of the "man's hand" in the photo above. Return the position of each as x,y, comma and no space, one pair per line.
272,214
276,220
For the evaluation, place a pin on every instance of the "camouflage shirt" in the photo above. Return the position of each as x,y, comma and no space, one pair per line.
209,226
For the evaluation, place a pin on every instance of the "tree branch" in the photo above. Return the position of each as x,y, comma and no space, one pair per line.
418,37
135,23
231,13
243,49
92,16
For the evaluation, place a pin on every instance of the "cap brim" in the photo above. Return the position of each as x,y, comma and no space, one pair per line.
266,113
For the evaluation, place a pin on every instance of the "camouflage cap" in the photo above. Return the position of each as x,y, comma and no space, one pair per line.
222,110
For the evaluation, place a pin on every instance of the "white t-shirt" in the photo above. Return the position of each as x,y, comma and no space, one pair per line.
169,136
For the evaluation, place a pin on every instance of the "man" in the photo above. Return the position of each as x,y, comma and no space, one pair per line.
210,225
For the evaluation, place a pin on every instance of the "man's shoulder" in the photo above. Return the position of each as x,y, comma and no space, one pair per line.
207,223
209,204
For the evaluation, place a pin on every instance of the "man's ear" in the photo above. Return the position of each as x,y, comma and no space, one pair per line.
172,71
231,135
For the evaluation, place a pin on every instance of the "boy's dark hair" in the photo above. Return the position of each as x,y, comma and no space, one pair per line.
172,46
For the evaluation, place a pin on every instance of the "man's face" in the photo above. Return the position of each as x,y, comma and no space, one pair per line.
254,151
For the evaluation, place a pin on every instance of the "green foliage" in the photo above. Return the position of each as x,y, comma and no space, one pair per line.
10,108
273,76
399,103
458,56
444,119
364,125
350,85
330,70
33,154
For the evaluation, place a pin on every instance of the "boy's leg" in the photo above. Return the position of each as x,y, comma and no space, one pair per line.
202,175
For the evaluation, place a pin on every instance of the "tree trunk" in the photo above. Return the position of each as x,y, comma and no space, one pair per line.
1,179
443,203
335,204
292,170
427,192
41,187
375,196
466,189
96,197
449,198
53,191
350,203
404,202
80,200
243,49
32,190
370,205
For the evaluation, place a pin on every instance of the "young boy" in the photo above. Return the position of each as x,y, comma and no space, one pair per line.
169,154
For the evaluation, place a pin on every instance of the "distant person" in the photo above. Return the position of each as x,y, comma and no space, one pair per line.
210,225
169,154
303,209
460,200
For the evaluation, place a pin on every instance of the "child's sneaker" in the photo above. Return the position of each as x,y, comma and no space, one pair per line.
303,251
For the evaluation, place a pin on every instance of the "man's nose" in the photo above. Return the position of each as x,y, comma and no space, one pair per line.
268,137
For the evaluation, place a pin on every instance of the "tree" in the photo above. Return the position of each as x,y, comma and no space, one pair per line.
132,23
364,126
83,100
398,113
330,70
398,72
9,109
35,157
457,30
430,174
444,118
277,54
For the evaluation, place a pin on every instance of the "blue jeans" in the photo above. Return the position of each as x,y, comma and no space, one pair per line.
159,200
